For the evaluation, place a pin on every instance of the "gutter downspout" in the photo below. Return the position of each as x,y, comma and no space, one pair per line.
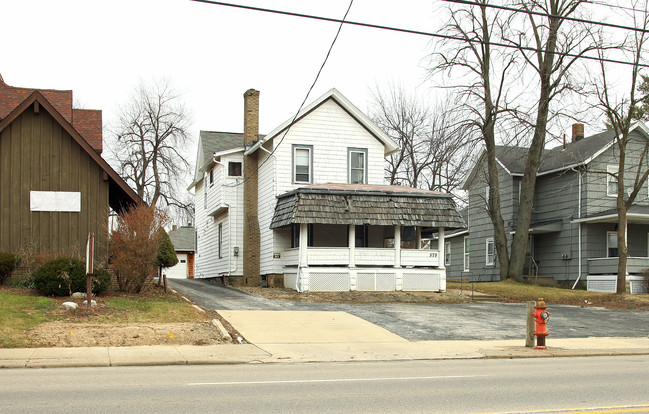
579,235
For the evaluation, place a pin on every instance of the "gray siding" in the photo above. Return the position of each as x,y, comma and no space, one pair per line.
594,181
456,268
480,224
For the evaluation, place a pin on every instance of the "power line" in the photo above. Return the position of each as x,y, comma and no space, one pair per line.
288,128
418,32
573,19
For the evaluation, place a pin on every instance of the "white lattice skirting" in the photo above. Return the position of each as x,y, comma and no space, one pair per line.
329,279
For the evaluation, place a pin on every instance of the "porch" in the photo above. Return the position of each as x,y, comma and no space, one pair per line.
356,238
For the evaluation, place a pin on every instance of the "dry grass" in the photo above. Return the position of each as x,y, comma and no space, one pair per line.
21,311
521,292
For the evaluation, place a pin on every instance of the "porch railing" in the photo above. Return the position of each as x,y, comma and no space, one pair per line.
608,265
363,256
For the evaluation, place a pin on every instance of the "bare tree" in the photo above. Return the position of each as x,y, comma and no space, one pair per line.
550,50
148,144
620,113
432,142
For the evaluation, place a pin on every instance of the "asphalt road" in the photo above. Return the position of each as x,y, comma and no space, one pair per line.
576,385
421,322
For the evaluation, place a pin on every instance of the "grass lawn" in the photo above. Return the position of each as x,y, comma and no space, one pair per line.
520,292
21,310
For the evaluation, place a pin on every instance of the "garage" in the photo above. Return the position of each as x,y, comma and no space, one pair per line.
179,271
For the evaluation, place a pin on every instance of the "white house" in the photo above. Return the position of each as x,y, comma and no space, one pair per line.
305,206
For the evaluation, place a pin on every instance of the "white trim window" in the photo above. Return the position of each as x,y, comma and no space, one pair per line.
611,180
466,253
357,165
302,164
611,244
490,252
234,169
447,253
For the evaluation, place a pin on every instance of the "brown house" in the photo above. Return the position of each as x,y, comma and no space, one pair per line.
55,187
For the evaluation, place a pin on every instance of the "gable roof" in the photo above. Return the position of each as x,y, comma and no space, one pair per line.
183,239
86,121
120,194
389,144
560,158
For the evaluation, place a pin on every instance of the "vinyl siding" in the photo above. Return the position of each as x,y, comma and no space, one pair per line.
329,130
480,224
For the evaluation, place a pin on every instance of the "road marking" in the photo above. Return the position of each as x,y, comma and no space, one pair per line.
585,410
311,381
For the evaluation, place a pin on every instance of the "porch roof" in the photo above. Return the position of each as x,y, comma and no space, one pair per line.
357,204
635,214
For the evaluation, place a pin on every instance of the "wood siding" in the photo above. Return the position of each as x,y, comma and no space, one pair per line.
37,154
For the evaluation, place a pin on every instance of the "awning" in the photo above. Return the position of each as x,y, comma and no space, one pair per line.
366,205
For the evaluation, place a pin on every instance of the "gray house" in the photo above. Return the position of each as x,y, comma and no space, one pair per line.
573,233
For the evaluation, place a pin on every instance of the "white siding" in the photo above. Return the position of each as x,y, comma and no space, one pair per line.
330,131
226,197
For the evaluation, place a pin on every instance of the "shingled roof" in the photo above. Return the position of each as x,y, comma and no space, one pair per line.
574,153
357,204
212,142
183,239
87,122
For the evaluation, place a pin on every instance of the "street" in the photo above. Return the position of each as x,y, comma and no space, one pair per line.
596,384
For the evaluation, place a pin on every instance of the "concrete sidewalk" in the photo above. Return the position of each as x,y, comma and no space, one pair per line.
305,336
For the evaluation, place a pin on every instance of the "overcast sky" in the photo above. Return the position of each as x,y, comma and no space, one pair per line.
212,54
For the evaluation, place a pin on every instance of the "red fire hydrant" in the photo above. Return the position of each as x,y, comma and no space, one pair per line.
542,316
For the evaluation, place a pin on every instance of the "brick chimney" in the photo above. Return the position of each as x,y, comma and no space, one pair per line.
251,236
577,132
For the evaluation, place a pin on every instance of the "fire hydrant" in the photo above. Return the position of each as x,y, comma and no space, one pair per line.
541,315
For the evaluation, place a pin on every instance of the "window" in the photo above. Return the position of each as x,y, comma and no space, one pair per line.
295,235
490,252
211,177
611,180
302,163
466,253
357,161
234,169
361,236
611,244
220,240
447,253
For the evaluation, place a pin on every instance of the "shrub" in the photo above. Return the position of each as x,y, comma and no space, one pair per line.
166,252
62,276
135,246
8,262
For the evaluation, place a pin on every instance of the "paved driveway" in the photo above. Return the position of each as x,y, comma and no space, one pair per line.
421,322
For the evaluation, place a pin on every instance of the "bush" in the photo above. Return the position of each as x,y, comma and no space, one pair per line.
63,276
8,262
134,247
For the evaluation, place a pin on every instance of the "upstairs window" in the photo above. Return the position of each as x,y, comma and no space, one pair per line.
357,160
211,177
234,169
611,180
302,164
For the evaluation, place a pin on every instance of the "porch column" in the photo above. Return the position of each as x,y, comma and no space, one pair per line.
304,241
440,247
397,246
417,237
351,243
